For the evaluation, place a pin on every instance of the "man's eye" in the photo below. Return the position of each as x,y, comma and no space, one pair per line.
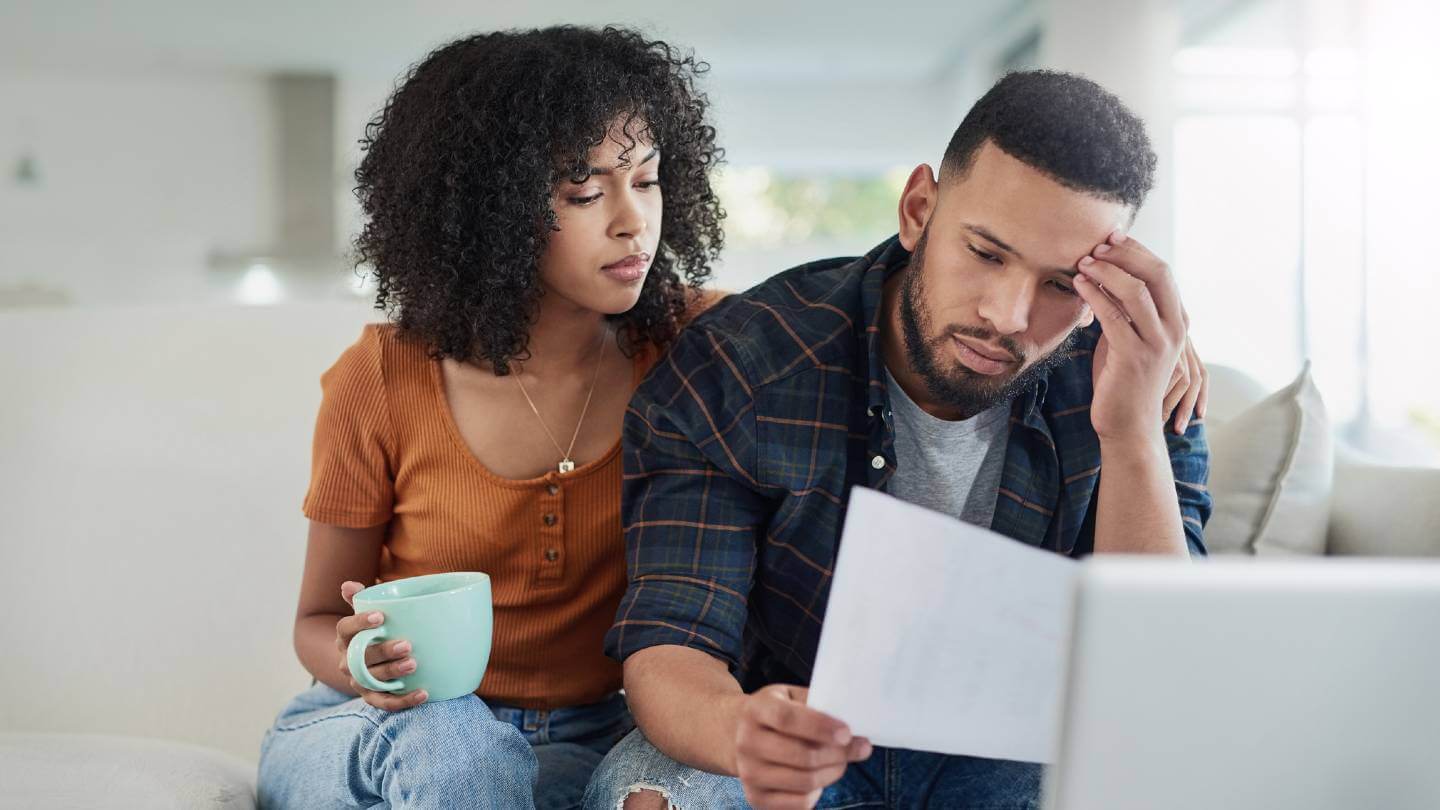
1064,288
985,257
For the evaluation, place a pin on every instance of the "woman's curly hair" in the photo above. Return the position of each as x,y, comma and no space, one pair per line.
460,165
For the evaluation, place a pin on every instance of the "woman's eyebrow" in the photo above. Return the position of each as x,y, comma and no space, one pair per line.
594,170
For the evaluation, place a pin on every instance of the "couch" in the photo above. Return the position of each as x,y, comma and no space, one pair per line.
154,460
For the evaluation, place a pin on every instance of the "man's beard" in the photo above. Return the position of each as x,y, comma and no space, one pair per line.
950,383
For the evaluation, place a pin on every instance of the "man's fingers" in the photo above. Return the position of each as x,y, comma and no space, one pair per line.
1130,293
768,776
1137,260
1113,321
781,709
859,750
770,746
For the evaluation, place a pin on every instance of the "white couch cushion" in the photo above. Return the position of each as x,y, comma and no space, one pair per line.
1271,475
92,770
1384,511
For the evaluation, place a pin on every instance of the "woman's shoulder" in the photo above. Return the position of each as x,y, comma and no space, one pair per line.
379,352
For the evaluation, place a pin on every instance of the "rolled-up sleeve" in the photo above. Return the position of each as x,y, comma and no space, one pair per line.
692,508
1190,463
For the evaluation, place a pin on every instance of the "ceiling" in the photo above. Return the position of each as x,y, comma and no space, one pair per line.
906,39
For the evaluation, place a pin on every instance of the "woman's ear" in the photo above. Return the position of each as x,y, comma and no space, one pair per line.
917,202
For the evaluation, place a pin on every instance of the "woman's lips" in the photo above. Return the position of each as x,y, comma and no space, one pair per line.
630,268
981,363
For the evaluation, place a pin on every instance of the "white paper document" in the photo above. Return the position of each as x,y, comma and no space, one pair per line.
942,636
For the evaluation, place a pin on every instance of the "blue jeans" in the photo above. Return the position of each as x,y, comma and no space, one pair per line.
328,749
891,777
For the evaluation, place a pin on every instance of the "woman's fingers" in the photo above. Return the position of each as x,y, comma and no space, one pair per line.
387,701
1179,383
1192,393
387,651
390,670
346,628
348,589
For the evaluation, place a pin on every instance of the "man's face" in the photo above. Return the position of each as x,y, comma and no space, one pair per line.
988,303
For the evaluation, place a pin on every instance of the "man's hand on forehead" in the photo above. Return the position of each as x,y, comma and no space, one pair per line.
1134,295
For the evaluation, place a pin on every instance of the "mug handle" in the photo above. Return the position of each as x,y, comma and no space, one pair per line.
355,659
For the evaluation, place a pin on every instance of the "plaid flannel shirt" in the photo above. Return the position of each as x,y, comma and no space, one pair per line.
742,444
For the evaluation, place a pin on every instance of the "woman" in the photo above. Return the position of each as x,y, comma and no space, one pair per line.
539,221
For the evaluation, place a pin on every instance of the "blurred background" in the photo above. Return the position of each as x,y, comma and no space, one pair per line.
176,210
180,154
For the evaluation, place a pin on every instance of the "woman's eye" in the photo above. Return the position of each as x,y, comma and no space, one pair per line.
648,184
985,257
585,200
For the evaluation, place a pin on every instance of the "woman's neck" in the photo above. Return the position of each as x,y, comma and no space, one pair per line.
564,338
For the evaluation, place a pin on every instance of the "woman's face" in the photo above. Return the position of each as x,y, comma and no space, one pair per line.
608,228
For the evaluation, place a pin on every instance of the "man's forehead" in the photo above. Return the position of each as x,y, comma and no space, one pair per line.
1045,223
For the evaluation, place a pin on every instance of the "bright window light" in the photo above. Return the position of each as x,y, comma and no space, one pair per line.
259,286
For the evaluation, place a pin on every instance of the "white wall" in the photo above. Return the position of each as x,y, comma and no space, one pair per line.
141,176
1126,46
152,465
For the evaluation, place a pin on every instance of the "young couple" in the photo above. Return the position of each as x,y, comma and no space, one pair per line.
540,220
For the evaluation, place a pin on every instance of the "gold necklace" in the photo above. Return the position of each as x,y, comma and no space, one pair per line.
566,465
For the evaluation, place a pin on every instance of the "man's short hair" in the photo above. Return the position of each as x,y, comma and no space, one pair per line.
1064,125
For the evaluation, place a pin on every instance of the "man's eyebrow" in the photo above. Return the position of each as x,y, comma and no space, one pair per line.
594,170
984,233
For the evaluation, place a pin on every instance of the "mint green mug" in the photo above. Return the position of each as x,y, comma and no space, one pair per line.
447,618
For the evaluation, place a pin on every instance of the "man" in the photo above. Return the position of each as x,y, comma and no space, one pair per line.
1008,358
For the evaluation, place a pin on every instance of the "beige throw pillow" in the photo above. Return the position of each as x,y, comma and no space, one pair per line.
1272,471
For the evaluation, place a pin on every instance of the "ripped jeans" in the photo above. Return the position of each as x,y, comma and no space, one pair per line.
890,778
328,749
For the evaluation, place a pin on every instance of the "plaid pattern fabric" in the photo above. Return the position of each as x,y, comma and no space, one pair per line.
743,443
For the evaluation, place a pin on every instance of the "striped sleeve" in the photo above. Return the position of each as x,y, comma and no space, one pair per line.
351,474
692,508
1190,464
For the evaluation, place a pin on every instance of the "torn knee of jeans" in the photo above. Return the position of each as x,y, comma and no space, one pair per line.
642,787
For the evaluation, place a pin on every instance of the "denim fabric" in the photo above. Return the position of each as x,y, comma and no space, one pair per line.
328,749
890,778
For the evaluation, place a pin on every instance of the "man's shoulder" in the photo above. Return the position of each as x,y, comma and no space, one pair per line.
802,317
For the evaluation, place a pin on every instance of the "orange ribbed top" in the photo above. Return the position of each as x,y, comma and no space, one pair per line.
387,450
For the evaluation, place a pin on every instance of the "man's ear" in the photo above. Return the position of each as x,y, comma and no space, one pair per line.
1088,318
917,202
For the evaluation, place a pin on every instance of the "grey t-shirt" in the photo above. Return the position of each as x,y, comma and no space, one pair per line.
950,467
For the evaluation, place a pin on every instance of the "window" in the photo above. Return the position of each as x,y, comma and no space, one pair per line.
1299,215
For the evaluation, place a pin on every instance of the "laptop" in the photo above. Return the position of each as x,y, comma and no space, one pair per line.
1250,684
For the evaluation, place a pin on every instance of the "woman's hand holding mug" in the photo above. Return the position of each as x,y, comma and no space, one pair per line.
386,661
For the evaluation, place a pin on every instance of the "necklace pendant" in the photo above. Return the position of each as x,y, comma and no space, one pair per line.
567,466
